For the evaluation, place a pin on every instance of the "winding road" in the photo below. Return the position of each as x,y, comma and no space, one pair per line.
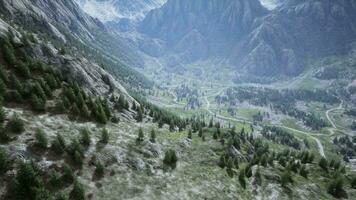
319,144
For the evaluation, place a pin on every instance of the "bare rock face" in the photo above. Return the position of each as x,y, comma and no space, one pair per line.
245,34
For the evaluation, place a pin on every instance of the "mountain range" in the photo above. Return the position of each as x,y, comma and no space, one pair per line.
249,36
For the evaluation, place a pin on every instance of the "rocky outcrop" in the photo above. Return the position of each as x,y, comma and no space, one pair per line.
88,74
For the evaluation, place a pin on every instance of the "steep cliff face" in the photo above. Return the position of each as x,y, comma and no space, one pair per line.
249,36
206,26
64,22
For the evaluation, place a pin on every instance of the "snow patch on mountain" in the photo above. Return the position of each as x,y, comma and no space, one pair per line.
112,10
270,4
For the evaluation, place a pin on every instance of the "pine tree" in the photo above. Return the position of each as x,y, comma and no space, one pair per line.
335,188
38,90
37,103
170,159
200,134
58,144
323,163
54,178
4,162
3,75
99,169
41,140
242,179
23,70
190,135
353,182
105,136
101,116
139,116
2,115
171,126
286,178
258,177
153,136
75,110
2,87
141,136
85,137
85,112
78,192
303,171
8,53
68,174
15,125
230,167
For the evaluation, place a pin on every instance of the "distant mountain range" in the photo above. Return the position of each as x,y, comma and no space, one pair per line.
263,37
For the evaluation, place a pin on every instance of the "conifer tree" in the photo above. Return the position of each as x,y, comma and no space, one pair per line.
242,179
37,103
153,136
200,134
15,125
323,163
41,140
105,136
78,192
23,70
141,136
85,137
4,162
190,135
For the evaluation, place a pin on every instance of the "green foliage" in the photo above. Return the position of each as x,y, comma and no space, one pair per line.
335,187
286,178
303,171
105,136
190,135
139,116
15,125
141,136
170,159
76,151
68,174
230,167
85,137
37,103
323,163
55,178
23,70
99,169
78,192
2,115
4,162
353,182
58,144
200,134
242,179
153,136
28,183
258,177
8,53
41,140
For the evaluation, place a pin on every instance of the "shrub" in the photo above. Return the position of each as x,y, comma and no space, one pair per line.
4,162
55,178
153,136
41,140
323,163
353,182
2,115
105,136
68,174
190,136
335,188
99,169
78,192
37,103
170,158
85,137
286,178
15,125
141,136
58,144
242,179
